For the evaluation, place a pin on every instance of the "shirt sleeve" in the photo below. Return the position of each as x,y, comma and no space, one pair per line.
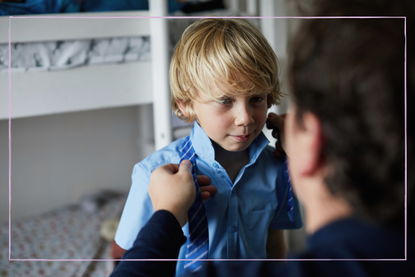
137,210
281,219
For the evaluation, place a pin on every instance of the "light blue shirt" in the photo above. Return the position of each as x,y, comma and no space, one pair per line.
239,214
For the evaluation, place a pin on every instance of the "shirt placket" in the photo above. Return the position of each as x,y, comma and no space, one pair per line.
233,224
233,221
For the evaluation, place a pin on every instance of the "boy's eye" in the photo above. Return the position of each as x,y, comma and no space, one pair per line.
257,99
225,101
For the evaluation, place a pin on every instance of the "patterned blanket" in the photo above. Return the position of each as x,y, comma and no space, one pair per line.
69,233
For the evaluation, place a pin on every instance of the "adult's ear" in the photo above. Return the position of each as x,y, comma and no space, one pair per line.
312,140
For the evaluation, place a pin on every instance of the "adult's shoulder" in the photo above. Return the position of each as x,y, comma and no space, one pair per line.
358,242
357,239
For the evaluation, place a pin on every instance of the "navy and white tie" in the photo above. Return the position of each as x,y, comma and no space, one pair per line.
198,238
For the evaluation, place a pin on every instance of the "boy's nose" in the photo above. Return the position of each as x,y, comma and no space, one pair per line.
243,117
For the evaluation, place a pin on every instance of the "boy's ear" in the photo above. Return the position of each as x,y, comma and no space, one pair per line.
182,108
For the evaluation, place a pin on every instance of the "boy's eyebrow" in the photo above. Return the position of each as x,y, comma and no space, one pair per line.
231,95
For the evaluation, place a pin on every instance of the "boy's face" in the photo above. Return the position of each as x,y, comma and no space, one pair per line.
233,122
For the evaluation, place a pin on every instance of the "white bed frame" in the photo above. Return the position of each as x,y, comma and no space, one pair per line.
117,85
105,86
95,87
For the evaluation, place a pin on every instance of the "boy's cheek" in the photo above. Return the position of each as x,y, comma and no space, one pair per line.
262,118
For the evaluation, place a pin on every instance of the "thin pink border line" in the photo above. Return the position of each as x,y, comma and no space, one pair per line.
196,17
406,148
202,260
174,17
10,138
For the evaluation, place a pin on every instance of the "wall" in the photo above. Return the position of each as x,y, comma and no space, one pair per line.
57,158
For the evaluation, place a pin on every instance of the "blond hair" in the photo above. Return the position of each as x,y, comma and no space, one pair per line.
215,52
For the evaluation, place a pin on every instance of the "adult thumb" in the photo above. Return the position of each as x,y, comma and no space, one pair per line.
186,165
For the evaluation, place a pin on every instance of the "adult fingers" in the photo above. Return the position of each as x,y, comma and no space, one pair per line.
169,168
276,120
205,195
203,180
205,189
208,191
185,165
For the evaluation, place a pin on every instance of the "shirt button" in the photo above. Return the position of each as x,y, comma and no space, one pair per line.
215,165
233,229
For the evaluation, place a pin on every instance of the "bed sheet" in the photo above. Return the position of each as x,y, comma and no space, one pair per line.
57,55
66,233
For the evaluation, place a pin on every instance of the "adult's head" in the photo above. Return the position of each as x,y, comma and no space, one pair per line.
349,74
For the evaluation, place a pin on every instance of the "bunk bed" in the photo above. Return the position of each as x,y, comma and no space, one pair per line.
80,81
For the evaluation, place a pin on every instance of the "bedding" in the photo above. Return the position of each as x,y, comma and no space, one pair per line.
58,55
55,55
70,232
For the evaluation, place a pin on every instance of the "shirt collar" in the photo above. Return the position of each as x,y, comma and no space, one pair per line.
204,149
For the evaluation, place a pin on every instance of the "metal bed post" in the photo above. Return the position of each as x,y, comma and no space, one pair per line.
234,5
275,31
251,7
160,77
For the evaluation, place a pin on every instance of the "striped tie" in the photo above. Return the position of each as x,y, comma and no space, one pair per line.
198,238
290,206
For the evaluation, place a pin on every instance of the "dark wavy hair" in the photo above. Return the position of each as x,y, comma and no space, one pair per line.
350,74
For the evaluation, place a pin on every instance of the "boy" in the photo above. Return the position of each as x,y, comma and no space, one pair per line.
224,77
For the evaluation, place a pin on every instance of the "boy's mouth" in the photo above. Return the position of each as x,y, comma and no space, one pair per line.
242,137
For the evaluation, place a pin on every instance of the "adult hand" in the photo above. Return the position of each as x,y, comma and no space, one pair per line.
172,188
276,123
